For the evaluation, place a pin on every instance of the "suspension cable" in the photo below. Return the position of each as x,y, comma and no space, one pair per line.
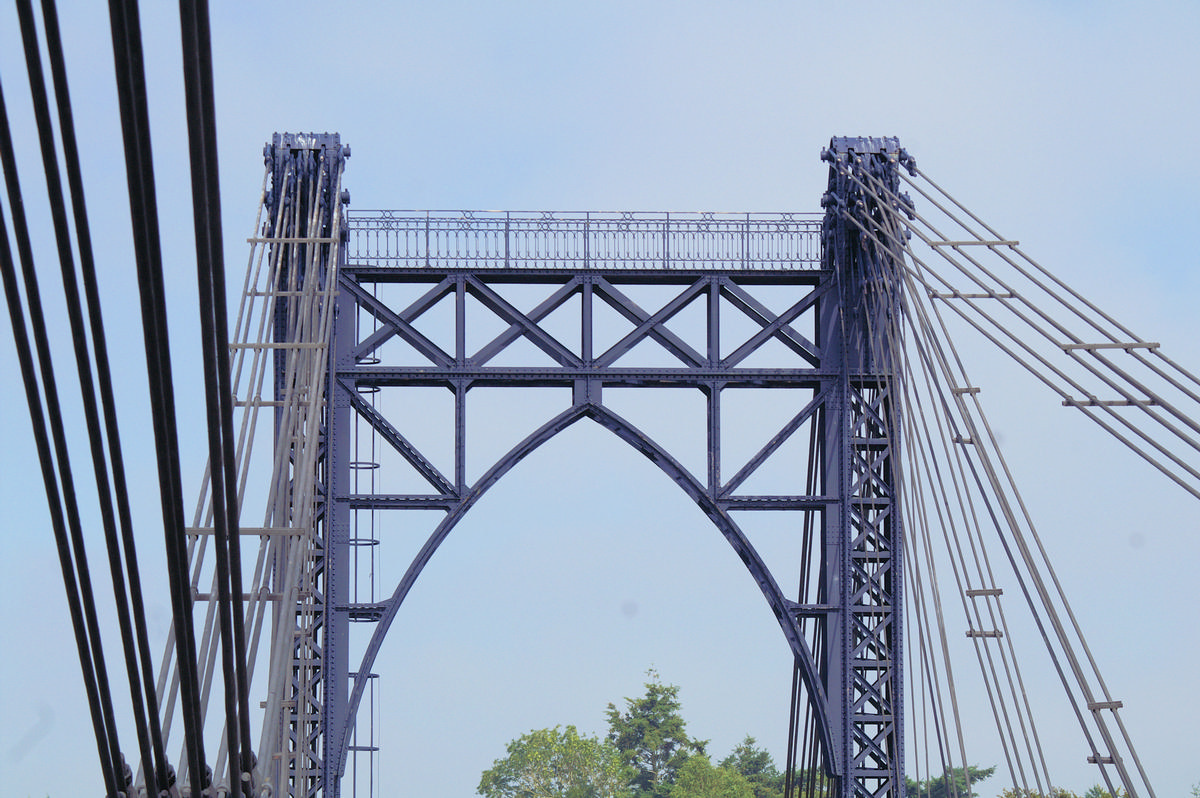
131,92
60,490
197,68
1033,571
122,567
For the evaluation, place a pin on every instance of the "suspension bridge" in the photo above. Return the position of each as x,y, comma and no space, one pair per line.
915,544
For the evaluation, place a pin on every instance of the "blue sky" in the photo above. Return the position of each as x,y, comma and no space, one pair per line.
1068,126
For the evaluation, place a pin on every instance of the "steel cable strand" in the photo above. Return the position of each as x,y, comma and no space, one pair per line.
1097,717
108,763
1054,387
888,341
919,677
61,456
1116,386
210,265
278,675
305,462
979,411
928,663
289,580
1078,297
972,524
215,266
131,92
256,606
1024,715
917,609
803,596
1144,453
954,548
203,518
1052,614
937,398
1053,322
79,335
246,434
869,233
1155,398
998,246
1054,655
916,509
104,378
203,512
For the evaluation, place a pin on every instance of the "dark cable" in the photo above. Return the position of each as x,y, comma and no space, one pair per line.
197,70
131,93
79,336
78,592
104,377
225,391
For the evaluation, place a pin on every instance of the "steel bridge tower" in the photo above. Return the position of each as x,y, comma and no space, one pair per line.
843,625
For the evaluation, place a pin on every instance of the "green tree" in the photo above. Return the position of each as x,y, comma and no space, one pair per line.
697,778
817,784
952,784
1099,791
652,737
1020,792
554,763
757,766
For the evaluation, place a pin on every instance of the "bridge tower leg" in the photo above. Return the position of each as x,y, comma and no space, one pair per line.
863,545
302,224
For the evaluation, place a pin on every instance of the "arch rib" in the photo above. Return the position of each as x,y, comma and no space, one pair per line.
672,468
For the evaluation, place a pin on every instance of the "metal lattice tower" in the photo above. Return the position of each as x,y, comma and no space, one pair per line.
844,627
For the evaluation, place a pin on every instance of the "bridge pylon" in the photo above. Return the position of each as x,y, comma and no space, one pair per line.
844,627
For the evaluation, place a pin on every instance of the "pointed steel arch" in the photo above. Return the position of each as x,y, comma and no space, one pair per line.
784,610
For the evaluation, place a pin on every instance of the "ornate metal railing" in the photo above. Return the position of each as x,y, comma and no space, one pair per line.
570,240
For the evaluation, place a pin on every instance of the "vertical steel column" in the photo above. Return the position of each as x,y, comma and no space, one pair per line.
862,536
335,667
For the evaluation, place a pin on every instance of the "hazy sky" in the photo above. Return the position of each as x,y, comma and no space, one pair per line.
1069,126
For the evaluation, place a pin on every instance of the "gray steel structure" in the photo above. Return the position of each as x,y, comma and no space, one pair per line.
844,624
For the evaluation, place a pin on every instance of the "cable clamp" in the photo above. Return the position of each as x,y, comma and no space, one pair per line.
1098,705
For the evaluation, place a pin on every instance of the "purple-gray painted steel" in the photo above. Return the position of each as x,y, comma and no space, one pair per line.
845,629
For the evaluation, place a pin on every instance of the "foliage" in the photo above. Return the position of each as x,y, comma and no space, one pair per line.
651,737
821,785
952,784
1021,792
757,767
1098,791
549,763
697,778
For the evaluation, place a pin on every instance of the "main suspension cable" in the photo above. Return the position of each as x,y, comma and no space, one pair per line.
131,92
60,490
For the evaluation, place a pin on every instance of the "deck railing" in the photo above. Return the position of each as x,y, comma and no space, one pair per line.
584,240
